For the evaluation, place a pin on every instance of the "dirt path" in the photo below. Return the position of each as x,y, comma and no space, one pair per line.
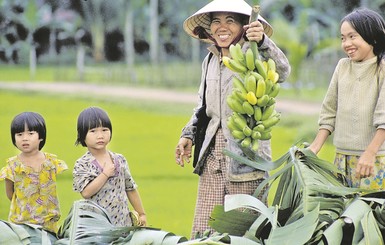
162,95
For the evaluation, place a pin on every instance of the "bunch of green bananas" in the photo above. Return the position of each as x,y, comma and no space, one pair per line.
253,97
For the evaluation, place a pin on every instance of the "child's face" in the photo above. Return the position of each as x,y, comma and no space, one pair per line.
27,141
98,138
354,45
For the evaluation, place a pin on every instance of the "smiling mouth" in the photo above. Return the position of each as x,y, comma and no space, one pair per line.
224,37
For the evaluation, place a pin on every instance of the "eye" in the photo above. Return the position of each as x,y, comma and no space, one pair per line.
230,20
106,129
19,134
91,130
215,21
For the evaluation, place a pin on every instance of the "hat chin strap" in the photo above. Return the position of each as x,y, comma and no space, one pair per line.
237,38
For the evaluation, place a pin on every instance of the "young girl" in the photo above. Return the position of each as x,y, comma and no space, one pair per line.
101,175
30,177
354,106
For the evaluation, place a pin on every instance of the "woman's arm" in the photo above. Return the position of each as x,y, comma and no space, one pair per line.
319,140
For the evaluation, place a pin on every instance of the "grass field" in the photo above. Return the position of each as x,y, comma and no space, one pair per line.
146,134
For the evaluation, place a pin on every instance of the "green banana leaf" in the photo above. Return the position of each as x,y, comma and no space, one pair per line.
15,234
306,183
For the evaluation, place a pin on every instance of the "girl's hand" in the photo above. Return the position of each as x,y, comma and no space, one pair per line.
142,220
254,31
109,169
365,165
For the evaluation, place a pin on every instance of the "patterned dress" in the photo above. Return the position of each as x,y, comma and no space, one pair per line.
34,200
113,195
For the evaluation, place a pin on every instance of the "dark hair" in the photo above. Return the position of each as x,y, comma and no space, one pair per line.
92,117
371,27
31,120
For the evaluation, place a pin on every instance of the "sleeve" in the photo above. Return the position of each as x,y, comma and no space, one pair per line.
189,130
327,117
269,49
82,175
128,179
379,112
60,165
7,173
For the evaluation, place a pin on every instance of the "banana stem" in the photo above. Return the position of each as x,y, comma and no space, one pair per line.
253,17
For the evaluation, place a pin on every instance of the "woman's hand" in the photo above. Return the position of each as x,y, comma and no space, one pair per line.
365,165
183,151
255,31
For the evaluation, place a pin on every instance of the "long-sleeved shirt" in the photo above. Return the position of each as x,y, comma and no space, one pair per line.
354,106
219,86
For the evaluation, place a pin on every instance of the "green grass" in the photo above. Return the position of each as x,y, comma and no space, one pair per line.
146,134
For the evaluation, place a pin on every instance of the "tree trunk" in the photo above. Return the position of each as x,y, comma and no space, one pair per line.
154,32
129,41
32,62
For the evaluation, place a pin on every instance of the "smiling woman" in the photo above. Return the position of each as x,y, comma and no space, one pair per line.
223,23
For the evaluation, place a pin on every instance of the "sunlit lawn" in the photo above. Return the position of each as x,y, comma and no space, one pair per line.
145,133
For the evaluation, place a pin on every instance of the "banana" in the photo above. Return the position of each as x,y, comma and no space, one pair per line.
271,121
237,53
271,64
248,108
276,77
263,100
257,113
275,90
246,142
234,105
255,135
241,96
254,145
265,136
269,85
259,128
230,124
233,65
238,84
241,68
261,88
267,112
256,75
261,68
240,116
250,83
247,131
251,98
239,123
271,75
265,65
271,101
237,134
250,61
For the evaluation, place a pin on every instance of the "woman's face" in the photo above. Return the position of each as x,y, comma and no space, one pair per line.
225,27
354,45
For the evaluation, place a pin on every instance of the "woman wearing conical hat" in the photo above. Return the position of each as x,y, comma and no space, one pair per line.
222,23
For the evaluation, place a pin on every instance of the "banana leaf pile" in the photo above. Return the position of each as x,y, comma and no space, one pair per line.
311,206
